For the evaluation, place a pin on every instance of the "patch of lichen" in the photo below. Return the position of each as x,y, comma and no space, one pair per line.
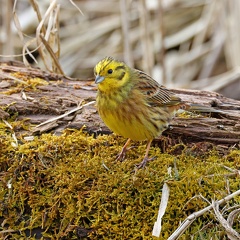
64,186
25,83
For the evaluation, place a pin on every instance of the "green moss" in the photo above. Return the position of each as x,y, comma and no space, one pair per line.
66,186
26,83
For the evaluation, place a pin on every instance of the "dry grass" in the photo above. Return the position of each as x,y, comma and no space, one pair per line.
187,44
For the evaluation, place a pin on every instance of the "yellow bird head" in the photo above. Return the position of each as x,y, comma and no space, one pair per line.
111,74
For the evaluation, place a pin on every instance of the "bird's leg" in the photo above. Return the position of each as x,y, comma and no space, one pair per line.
145,159
122,154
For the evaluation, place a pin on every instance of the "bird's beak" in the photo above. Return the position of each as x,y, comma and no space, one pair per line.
99,79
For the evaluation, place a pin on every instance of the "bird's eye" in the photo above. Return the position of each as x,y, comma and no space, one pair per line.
110,71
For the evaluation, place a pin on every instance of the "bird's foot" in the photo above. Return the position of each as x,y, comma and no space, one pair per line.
143,163
121,156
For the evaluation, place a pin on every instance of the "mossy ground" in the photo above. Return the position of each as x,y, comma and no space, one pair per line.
68,186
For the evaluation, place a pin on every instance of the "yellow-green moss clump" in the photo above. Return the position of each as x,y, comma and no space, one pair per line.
24,81
69,186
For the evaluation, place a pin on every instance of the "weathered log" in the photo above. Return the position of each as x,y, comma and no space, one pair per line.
63,94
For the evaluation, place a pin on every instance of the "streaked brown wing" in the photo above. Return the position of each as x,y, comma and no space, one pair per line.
156,93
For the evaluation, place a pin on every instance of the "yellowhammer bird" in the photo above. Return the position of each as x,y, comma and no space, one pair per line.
132,104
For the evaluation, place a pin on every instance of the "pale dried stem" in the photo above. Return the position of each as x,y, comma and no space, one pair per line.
190,219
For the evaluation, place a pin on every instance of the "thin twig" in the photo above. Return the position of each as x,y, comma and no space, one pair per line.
190,219
65,114
231,233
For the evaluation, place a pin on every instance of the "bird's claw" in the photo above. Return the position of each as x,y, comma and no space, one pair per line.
121,156
143,163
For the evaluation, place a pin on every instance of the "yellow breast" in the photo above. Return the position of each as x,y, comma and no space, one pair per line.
129,127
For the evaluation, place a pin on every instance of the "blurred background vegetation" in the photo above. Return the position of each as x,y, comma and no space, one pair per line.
181,43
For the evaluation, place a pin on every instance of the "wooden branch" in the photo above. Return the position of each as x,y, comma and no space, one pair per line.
63,94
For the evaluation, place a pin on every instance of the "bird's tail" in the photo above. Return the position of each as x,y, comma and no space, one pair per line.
200,108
